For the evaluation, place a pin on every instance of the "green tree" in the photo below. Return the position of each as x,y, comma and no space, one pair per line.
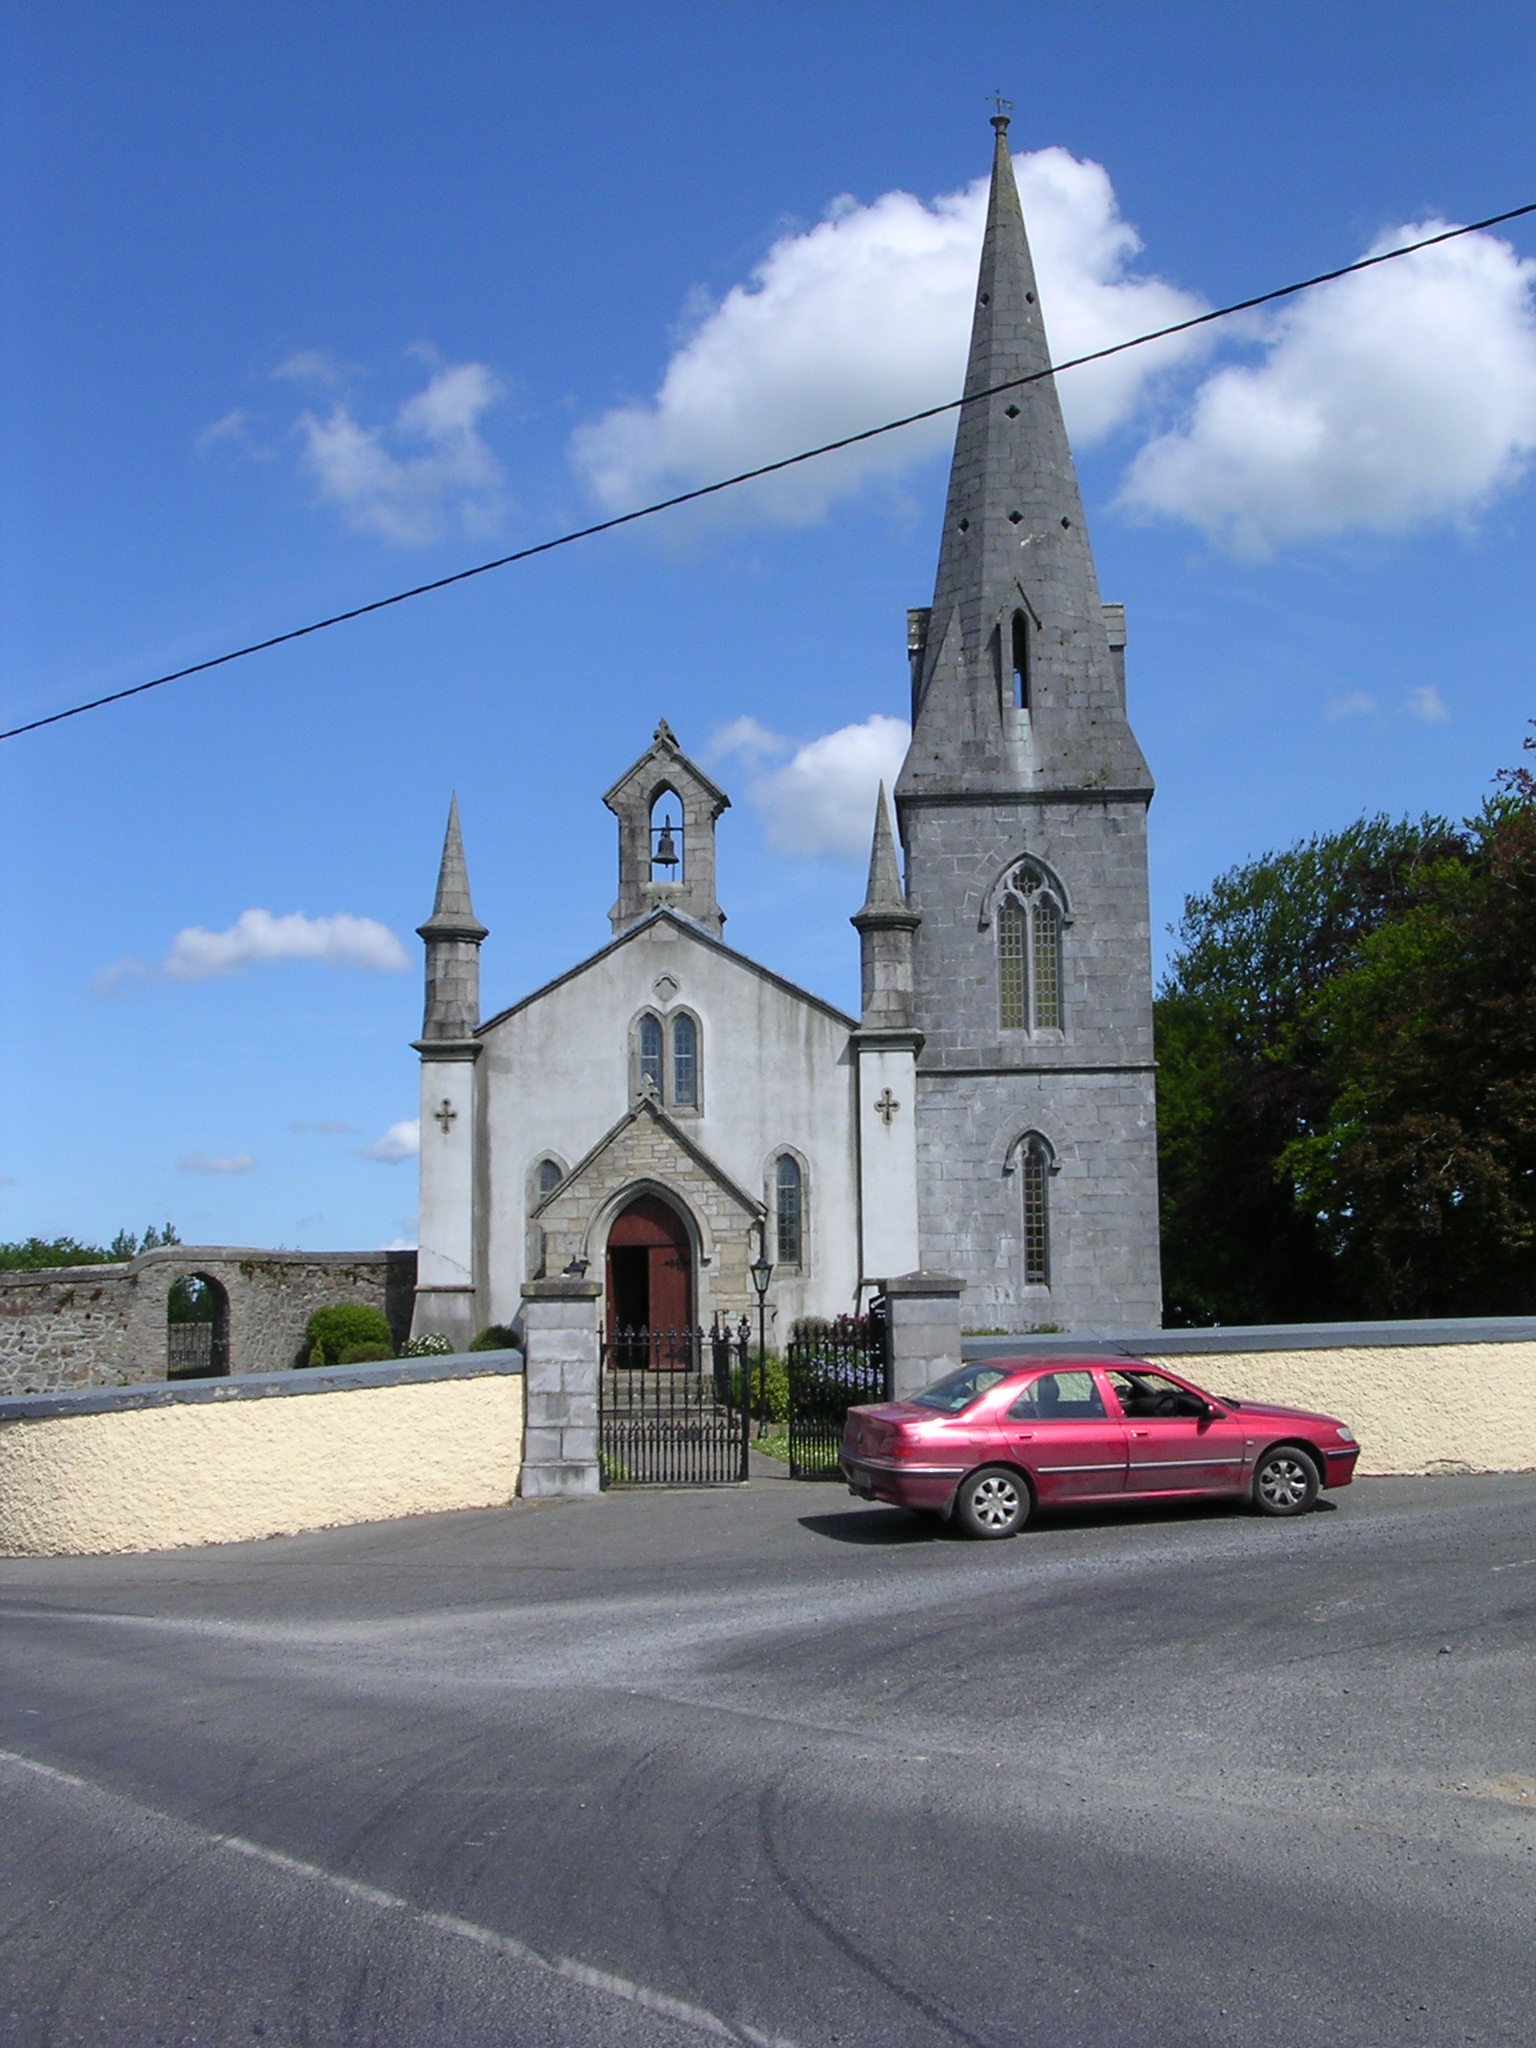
1245,1074
1422,1172
331,1331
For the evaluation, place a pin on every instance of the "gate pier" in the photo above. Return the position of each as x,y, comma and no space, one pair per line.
561,1353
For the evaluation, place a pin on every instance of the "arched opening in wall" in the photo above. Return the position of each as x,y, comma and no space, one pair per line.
1019,644
649,1269
667,837
196,1329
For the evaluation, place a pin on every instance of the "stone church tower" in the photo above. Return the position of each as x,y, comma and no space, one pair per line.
1022,809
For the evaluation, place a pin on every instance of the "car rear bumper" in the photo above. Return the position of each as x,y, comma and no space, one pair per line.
903,1485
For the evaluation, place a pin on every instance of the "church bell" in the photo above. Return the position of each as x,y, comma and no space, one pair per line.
665,855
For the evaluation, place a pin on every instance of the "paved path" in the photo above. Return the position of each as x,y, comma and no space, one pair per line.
776,1766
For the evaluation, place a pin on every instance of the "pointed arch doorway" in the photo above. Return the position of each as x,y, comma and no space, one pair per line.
649,1269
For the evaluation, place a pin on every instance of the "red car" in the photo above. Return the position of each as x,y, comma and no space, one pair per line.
991,1442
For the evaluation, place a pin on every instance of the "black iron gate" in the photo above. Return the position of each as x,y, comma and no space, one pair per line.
674,1407
833,1367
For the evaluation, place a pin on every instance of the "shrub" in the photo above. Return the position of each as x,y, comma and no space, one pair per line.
775,1382
433,1345
332,1331
365,1354
497,1338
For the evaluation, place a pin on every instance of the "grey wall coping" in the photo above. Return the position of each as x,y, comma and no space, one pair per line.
187,1255
1235,1337
257,1386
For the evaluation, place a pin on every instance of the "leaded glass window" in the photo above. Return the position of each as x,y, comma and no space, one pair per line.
549,1177
789,1209
1047,963
1036,1178
650,1052
685,1063
1010,966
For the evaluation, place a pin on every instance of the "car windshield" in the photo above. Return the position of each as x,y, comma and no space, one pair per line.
957,1390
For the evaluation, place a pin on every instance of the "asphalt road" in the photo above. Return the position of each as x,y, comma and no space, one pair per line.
775,1766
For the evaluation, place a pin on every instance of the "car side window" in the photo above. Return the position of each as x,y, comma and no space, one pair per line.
1059,1397
1143,1395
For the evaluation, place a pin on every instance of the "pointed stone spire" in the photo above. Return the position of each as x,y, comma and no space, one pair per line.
453,915
453,934
885,926
1016,585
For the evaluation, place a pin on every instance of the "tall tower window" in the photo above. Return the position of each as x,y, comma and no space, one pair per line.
650,1051
1011,982
685,1063
1036,1180
1030,921
1020,639
788,1209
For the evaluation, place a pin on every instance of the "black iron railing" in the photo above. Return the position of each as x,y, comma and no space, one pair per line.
674,1407
833,1367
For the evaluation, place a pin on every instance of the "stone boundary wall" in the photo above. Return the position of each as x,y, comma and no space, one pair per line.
1447,1396
104,1326
224,1461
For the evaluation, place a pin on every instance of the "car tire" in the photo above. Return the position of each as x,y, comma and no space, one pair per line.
1286,1481
992,1503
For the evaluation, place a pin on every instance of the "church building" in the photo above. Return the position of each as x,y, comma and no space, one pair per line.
668,1109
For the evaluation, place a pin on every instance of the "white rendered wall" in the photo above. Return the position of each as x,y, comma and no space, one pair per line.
888,1161
775,1072
445,1257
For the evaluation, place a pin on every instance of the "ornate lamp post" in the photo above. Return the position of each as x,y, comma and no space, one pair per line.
761,1270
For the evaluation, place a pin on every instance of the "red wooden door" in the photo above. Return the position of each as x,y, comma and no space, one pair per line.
650,1227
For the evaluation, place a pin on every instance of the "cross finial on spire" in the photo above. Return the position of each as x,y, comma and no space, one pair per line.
1004,109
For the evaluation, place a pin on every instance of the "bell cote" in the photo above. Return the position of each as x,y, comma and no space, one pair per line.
666,808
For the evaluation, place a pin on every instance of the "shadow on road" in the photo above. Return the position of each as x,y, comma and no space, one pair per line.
892,1528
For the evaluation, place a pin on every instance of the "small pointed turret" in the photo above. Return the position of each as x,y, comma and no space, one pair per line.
1014,686
885,926
453,936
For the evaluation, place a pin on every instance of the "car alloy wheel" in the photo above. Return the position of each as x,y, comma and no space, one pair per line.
993,1503
1285,1483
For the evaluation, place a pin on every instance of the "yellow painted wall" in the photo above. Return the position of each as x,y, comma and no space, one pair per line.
223,1472
1418,1408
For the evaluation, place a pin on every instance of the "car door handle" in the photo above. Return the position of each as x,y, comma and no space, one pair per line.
1021,1436
1141,1432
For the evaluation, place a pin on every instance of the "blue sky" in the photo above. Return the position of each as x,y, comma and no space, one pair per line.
301,304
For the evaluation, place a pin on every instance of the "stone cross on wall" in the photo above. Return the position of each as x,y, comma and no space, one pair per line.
445,1116
886,1105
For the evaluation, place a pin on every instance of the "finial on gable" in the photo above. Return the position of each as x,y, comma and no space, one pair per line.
664,735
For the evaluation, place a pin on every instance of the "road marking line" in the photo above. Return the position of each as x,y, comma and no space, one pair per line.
1523,1564
605,1981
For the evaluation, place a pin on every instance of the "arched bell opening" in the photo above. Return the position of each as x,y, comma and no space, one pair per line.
196,1329
649,1269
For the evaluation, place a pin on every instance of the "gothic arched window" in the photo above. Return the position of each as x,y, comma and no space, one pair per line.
650,1051
1035,1180
1030,921
549,1177
685,1063
789,1209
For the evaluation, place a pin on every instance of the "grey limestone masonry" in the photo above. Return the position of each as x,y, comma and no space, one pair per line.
561,1361
105,1326
924,1326
1057,777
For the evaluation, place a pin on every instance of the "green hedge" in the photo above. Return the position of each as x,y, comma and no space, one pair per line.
497,1338
330,1332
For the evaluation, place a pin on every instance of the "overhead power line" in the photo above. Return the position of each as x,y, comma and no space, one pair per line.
747,476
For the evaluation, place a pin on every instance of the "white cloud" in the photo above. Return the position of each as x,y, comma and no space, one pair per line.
308,366
1426,703
234,427
400,1141
327,1127
257,937
867,316
1403,395
1357,704
822,799
407,480
199,1162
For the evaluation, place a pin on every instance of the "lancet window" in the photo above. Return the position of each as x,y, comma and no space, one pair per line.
1030,921
685,1063
650,1051
1035,1181
789,1210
